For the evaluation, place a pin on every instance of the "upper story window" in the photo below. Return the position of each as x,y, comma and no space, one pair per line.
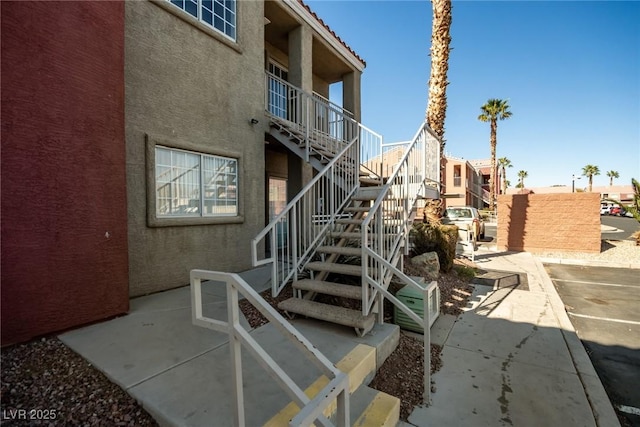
192,184
217,14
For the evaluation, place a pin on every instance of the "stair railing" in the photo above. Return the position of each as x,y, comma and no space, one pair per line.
290,239
312,409
324,126
387,225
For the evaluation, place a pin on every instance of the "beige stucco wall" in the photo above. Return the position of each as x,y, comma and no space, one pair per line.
187,87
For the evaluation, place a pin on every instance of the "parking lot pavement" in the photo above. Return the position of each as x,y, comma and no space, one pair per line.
602,305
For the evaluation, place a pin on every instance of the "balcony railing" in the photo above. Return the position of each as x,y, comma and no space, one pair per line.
323,125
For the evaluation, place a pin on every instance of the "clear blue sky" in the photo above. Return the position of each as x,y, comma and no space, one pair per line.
570,70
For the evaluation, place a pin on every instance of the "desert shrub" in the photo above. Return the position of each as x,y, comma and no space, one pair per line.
436,238
465,272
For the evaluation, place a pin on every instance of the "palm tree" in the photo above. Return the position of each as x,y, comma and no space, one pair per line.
437,102
492,111
503,164
611,175
522,175
589,171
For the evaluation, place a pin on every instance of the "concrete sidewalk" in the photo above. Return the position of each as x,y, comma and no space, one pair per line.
514,359
182,374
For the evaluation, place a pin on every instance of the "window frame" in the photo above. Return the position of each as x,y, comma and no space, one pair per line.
200,8
176,11
155,220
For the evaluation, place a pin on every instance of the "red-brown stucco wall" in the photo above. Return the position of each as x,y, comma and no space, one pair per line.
548,222
64,219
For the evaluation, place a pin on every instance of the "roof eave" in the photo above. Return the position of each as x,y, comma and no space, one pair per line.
330,37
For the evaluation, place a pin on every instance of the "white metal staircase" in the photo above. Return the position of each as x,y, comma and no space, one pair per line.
349,211
351,219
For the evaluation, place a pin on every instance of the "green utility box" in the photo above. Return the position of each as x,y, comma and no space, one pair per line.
413,299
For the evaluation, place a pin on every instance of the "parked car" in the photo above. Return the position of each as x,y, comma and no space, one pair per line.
616,210
464,216
605,210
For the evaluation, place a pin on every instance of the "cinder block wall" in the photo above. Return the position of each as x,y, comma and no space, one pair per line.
549,222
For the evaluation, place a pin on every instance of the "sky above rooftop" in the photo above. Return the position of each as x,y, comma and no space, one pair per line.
570,71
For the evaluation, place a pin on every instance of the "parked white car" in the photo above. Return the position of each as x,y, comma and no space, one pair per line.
463,217
605,209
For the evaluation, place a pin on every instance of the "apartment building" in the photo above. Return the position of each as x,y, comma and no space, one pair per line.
465,184
136,144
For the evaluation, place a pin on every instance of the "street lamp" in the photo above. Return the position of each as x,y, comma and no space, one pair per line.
573,182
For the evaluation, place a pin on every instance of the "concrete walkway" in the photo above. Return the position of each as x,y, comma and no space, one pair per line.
512,359
182,374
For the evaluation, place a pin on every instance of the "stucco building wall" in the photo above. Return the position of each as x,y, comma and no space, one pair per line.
542,222
64,221
190,88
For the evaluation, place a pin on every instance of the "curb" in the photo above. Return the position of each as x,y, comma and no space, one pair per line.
587,262
603,412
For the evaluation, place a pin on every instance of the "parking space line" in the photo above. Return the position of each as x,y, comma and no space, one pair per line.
628,409
617,285
608,319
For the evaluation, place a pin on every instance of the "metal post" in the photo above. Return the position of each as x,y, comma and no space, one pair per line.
235,348
426,321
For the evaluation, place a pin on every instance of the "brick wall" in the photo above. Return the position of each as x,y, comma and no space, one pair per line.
544,222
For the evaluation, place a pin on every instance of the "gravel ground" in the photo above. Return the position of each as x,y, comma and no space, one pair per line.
44,383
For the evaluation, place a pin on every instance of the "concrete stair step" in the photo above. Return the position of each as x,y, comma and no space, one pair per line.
329,288
332,267
352,235
368,407
349,221
379,409
340,250
367,181
345,235
357,208
367,193
329,313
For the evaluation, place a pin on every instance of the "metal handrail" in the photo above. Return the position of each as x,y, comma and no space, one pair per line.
291,237
312,409
414,175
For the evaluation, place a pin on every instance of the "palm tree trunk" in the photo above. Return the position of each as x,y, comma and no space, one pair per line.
437,102
492,174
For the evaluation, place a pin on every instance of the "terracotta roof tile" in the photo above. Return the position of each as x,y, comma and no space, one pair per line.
317,18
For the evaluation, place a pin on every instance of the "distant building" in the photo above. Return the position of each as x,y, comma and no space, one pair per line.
464,184
622,193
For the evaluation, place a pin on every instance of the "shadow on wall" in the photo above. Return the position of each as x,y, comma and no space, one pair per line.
516,222
549,222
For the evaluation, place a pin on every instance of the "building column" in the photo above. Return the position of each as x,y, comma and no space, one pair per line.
300,58
351,93
301,75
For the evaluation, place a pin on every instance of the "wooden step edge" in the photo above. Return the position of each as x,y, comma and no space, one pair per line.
358,364
329,288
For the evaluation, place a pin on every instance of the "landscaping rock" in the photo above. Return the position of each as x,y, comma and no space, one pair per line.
430,263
